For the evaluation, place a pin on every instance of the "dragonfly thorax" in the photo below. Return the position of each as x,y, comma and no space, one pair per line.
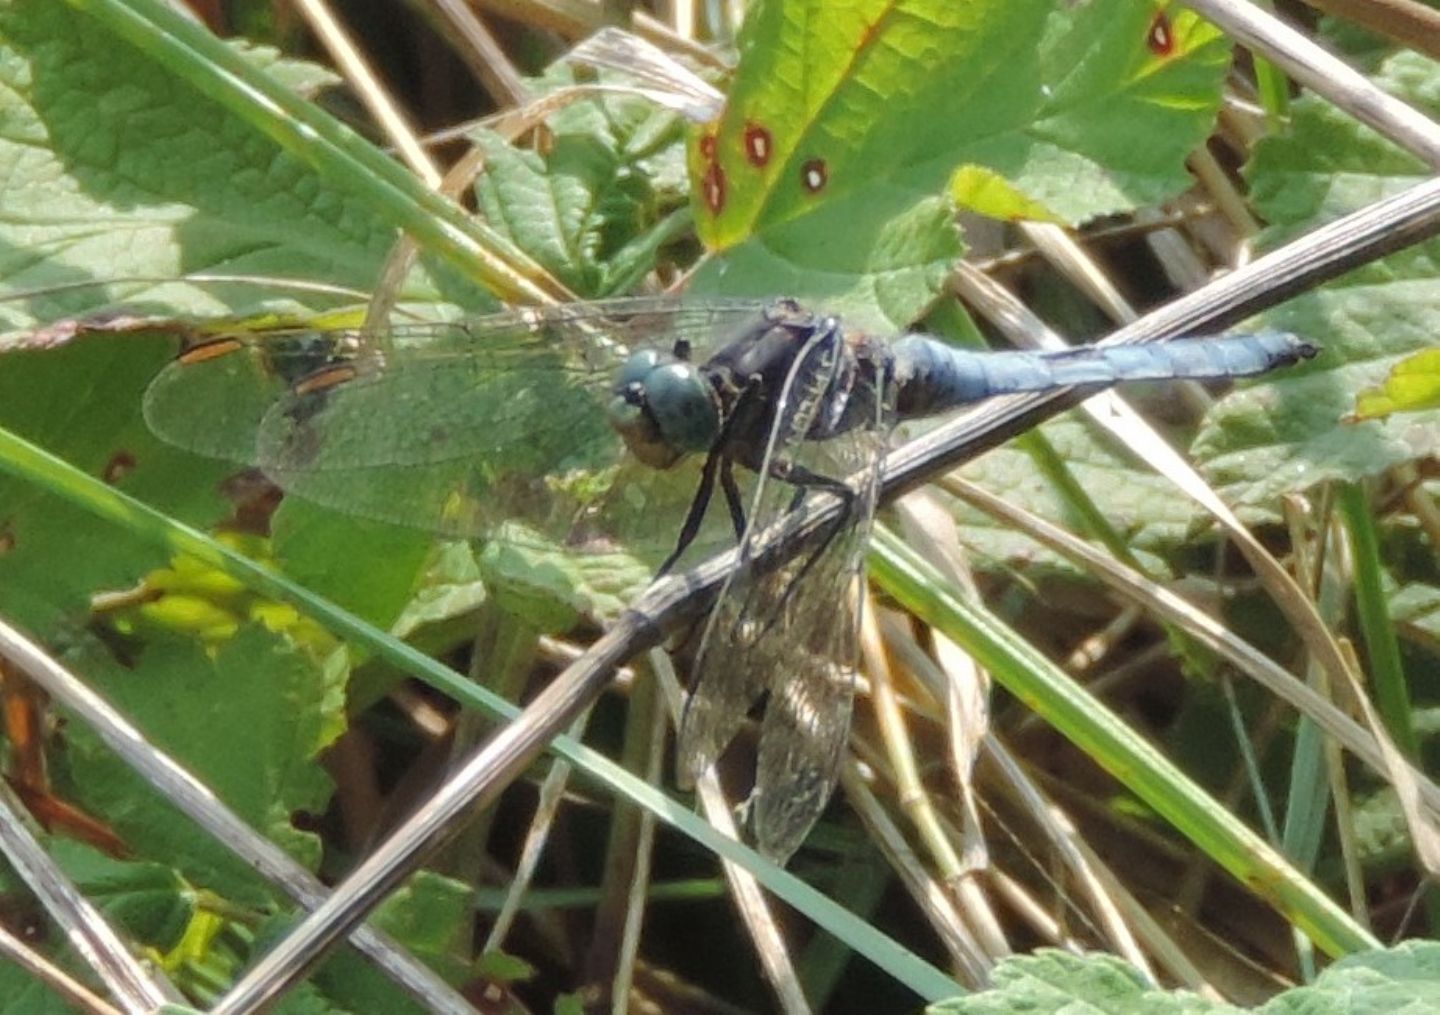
663,408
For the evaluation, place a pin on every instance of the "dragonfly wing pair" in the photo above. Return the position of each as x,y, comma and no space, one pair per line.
787,630
485,428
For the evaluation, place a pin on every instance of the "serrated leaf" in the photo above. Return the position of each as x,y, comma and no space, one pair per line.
586,208
841,119
1290,431
114,172
451,587
1404,980
302,76
552,589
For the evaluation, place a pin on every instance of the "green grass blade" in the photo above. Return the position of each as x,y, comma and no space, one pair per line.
1131,759
34,465
1392,694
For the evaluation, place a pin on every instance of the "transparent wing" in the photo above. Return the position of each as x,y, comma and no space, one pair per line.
778,630
456,428
806,728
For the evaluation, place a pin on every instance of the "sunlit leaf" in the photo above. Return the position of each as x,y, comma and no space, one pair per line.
983,190
1291,431
1413,384
846,120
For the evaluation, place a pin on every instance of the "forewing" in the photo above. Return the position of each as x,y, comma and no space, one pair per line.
807,718
211,399
777,629
455,428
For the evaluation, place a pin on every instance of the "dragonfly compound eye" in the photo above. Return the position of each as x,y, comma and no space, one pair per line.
683,405
638,367
662,408
638,429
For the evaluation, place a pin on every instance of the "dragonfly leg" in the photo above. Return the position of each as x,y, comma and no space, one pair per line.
733,500
696,514
716,460
804,479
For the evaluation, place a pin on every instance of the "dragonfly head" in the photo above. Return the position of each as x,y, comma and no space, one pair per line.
663,408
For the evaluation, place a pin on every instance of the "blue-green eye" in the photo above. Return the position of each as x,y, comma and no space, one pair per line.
683,405
663,407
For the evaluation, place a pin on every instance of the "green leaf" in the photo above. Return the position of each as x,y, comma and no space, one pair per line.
1404,980
552,589
82,401
450,588
370,568
1292,431
985,191
1138,503
1050,980
249,723
1412,385
1381,837
114,169
145,900
842,121
587,208
552,206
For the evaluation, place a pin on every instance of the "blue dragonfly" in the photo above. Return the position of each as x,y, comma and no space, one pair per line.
514,427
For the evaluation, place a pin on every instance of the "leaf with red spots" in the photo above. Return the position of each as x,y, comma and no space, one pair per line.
824,175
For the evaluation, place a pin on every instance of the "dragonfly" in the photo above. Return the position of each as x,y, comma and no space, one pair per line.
559,426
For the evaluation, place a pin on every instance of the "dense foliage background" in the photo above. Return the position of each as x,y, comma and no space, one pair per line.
993,172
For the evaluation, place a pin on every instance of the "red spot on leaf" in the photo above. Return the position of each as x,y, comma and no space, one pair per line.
120,465
713,189
1160,38
758,144
814,175
707,147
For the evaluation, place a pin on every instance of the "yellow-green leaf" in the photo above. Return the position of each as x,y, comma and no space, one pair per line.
1413,384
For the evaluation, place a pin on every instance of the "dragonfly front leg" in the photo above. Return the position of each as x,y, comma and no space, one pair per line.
717,460
696,514
733,500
